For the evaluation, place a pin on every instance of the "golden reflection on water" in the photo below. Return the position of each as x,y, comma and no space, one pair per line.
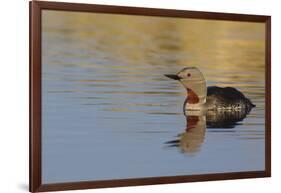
221,45
227,52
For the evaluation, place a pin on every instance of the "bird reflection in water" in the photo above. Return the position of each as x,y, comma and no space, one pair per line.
211,107
191,140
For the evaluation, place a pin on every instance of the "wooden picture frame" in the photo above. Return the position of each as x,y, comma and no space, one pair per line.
36,8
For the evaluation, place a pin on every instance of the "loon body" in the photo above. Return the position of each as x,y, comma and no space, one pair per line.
201,97
227,98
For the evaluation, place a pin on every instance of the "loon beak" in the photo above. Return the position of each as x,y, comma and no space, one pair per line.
172,76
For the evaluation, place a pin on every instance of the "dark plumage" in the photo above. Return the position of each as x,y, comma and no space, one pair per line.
227,98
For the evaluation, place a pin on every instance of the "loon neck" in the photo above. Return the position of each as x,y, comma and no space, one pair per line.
192,97
196,96
196,93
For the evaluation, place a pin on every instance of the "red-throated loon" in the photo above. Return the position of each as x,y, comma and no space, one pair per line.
199,97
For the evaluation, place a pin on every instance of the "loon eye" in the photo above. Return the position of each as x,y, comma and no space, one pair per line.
188,74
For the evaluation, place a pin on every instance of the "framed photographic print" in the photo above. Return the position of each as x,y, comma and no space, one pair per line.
123,96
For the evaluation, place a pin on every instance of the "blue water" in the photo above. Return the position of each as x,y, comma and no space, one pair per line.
109,113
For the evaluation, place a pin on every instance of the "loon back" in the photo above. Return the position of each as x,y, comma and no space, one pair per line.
227,98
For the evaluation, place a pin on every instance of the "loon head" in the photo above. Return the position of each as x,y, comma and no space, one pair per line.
194,82
188,77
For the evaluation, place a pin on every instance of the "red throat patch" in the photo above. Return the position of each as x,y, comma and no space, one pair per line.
192,97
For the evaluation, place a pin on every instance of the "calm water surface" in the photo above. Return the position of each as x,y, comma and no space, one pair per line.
109,113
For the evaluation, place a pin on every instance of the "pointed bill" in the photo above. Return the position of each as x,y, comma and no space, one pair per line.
173,76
